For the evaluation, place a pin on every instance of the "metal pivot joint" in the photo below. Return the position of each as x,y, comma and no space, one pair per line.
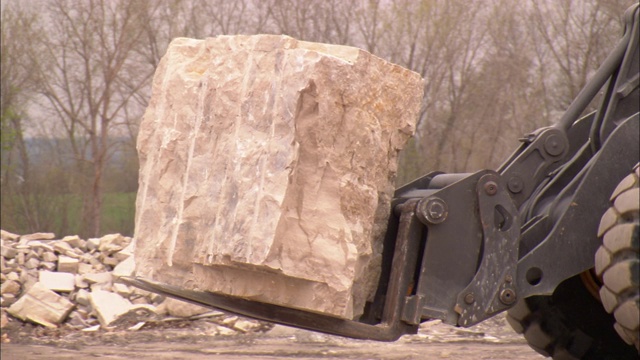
492,289
432,210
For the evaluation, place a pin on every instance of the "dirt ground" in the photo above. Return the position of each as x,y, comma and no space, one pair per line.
195,340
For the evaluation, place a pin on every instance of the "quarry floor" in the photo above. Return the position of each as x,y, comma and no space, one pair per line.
189,340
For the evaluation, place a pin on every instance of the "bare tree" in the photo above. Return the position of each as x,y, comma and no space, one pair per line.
21,205
572,38
87,85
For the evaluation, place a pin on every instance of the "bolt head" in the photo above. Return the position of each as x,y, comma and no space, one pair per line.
515,184
553,145
508,296
432,210
436,210
491,188
469,298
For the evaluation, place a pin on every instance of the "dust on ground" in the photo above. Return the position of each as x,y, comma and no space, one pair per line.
197,339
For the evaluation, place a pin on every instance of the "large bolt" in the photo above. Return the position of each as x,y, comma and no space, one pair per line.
515,184
554,145
491,188
469,298
507,296
433,210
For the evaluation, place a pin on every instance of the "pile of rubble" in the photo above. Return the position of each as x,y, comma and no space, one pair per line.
72,282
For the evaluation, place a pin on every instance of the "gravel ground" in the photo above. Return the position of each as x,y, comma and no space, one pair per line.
188,339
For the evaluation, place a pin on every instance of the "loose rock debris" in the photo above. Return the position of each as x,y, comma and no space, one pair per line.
71,284
33,313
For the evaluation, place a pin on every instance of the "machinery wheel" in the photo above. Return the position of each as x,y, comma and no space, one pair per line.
618,259
570,324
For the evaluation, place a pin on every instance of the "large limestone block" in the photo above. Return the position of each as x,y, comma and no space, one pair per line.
267,168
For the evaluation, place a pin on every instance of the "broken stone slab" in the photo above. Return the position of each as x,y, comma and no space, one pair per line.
75,241
47,266
108,306
28,278
93,244
125,268
20,258
276,170
122,289
49,257
10,287
6,235
111,261
13,276
82,297
62,247
68,264
84,268
32,263
246,326
7,300
98,278
112,243
42,306
8,252
183,309
37,236
80,283
57,281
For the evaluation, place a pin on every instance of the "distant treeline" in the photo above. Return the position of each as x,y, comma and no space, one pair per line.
82,71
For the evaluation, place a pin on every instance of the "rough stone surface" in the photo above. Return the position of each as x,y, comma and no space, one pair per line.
6,235
68,264
41,306
267,168
57,281
108,306
125,268
183,309
38,236
10,287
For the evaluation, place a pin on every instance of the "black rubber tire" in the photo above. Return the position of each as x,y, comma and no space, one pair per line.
570,324
618,259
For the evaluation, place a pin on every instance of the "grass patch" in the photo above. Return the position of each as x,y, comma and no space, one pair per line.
62,214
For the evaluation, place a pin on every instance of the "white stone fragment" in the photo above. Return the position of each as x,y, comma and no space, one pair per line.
93,243
82,297
57,281
10,287
5,235
75,241
42,306
38,236
108,306
125,268
112,243
98,278
183,309
122,289
67,264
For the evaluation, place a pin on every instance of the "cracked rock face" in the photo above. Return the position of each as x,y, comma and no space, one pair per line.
267,167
